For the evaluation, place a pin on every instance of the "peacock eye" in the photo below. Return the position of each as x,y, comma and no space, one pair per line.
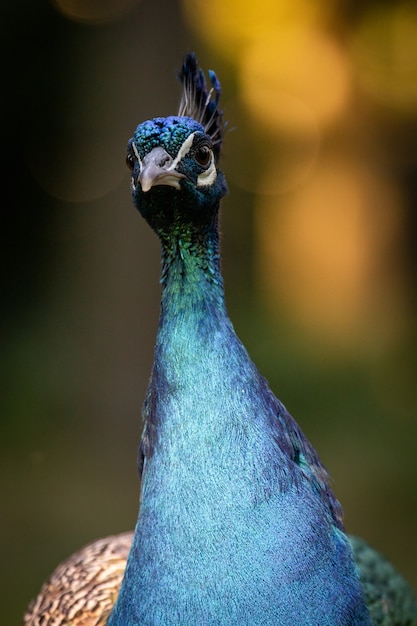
203,155
130,161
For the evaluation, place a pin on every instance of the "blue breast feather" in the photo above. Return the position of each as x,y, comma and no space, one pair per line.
237,523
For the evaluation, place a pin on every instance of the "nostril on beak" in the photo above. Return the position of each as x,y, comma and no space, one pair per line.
159,157
164,161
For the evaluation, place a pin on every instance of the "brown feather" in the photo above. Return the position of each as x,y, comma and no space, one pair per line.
83,589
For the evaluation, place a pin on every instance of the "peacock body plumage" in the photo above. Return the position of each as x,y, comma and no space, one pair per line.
237,521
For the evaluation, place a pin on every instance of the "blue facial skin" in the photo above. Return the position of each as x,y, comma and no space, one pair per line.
237,522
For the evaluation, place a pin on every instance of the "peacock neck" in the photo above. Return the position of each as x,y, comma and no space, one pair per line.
191,276
195,340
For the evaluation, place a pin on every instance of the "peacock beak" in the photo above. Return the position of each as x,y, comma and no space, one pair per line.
158,168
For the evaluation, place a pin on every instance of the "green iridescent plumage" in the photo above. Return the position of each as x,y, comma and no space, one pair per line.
388,596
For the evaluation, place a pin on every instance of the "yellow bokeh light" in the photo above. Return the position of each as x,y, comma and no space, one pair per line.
288,79
229,27
329,253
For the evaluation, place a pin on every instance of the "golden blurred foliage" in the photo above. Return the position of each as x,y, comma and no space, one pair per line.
330,226
230,27
332,254
302,69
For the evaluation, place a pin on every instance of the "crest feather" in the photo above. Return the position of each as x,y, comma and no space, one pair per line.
200,104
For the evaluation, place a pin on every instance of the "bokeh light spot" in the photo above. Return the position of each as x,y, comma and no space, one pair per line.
94,11
77,162
302,64
330,253
229,27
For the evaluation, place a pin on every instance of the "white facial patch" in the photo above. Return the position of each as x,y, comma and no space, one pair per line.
135,150
183,151
205,178
209,175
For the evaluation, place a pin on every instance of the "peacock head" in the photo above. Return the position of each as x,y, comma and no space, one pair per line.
173,160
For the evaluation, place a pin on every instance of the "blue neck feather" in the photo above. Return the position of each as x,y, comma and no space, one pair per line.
237,523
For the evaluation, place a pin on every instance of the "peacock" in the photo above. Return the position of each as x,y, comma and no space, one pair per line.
237,523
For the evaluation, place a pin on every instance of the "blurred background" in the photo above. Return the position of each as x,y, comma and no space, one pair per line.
319,233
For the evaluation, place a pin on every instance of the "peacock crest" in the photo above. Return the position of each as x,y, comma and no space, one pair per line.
201,104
